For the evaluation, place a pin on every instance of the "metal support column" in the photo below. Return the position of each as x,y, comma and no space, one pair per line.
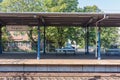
44,45
44,49
87,40
99,47
38,53
87,34
98,33
96,50
0,40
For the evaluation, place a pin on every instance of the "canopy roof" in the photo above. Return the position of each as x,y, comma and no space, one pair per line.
60,19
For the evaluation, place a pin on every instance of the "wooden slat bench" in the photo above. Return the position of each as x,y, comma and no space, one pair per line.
65,50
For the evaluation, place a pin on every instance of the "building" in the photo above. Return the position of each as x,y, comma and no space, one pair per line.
19,41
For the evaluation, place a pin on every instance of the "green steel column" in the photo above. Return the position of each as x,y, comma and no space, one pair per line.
99,47
0,40
96,50
87,40
44,49
38,53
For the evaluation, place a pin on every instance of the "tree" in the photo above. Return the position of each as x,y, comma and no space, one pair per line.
60,33
22,6
109,35
61,5
93,8
92,30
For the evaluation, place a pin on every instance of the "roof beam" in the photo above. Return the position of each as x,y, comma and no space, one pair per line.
88,22
2,22
43,21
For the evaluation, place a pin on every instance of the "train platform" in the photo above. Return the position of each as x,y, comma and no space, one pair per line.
58,63
59,59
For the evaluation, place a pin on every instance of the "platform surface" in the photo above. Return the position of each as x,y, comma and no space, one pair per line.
70,60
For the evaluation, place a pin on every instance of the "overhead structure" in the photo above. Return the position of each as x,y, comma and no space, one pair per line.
60,19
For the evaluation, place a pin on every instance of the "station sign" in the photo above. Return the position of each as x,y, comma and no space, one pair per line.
17,28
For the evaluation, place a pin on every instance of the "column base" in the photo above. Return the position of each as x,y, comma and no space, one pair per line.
99,58
38,58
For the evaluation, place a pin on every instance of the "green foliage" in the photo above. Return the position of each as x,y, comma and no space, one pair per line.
5,34
93,8
61,5
22,6
109,36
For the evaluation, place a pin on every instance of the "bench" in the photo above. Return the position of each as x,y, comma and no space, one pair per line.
113,51
65,50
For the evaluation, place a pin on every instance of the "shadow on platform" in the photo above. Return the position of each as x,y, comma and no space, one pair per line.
55,56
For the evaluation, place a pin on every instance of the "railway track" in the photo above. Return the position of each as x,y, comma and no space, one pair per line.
58,76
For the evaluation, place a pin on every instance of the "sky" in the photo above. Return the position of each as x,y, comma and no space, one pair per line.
107,6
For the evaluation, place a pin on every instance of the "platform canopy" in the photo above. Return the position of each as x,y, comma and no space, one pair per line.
60,19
